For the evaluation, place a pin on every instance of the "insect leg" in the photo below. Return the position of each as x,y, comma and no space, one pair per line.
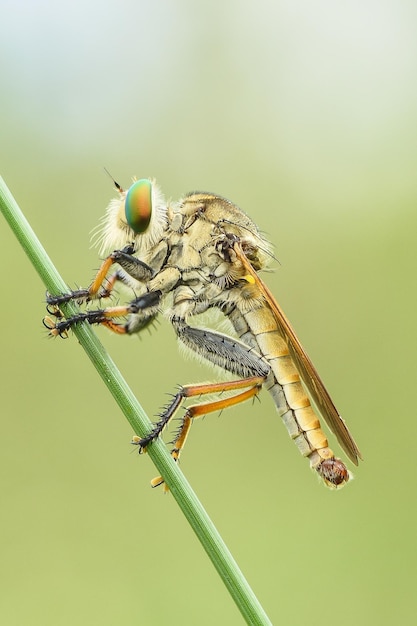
140,312
133,267
195,411
232,355
226,352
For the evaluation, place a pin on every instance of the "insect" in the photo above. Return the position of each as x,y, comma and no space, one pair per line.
185,258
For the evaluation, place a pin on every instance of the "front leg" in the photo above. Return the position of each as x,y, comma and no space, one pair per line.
141,311
102,286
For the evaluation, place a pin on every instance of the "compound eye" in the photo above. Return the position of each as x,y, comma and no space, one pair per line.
138,205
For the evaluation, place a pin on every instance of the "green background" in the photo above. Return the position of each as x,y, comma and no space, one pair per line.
305,115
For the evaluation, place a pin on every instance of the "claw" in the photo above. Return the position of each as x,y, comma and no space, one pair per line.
157,481
54,310
137,441
50,324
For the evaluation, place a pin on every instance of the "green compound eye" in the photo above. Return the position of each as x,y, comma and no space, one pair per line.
138,205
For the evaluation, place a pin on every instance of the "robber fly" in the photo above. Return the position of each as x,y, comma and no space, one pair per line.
185,258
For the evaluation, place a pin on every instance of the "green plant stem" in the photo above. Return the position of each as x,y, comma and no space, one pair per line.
193,510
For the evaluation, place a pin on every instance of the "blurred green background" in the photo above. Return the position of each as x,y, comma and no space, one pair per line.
305,115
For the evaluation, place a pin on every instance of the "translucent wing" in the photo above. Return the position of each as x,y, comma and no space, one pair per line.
305,367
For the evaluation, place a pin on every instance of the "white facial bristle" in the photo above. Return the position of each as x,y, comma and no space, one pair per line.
113,232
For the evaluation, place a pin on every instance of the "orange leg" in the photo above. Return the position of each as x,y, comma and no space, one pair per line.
197,410
125,258
140,312
101,316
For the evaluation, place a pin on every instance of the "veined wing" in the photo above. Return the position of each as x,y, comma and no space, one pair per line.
304,365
